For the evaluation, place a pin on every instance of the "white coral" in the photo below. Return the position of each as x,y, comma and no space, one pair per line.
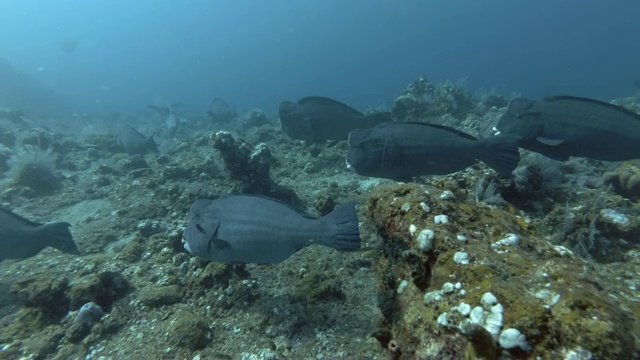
31,166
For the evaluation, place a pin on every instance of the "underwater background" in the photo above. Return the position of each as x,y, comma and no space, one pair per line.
116,116
256,53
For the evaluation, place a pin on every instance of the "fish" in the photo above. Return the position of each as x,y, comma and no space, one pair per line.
402,150
163,111
21,238
220,112
166,112
68,45
133,142
559,127
242,228
15,116
317,118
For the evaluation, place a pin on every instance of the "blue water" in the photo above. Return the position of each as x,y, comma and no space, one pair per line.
255,53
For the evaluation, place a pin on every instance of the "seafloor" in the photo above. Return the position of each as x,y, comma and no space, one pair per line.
556,246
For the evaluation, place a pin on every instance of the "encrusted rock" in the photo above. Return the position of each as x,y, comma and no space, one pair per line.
162,295
188,331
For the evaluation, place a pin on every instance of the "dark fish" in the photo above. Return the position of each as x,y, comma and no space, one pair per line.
400,151
133,142
163,111
68,45
317,118
13,115
253,229
220,112
563,126
21,238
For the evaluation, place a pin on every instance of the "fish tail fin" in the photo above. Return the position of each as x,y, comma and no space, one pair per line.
151,144
503,154
345,235
58,236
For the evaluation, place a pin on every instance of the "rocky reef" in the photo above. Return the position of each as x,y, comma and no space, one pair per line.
464,266
431,272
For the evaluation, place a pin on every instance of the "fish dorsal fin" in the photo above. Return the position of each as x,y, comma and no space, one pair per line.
325,101
18,217
442,127
299,211
550,142
595,102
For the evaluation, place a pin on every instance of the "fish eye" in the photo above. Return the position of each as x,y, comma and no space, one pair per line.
200,229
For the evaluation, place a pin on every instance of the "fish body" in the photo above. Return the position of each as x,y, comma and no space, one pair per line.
133,142
253,229
563,126
400,151
21,238
317,118
221,112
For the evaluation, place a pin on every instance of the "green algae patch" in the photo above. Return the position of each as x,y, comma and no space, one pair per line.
317,287
189,331
542,291
133,251
102,288
162,295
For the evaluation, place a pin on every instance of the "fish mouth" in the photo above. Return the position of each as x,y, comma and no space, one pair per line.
496,131
186,245
346,161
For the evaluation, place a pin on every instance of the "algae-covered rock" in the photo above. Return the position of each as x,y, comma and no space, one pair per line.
43,292
318,287
133,162
188,331
162,295
625,180
103,289
213,275
44,343
542,291
133,250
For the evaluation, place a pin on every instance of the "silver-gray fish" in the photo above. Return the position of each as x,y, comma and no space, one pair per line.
563,126
400,151
133,142
220,112
253,229
21,238
317,118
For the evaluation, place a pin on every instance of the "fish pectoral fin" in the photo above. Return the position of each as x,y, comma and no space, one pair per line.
219,244
550,142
